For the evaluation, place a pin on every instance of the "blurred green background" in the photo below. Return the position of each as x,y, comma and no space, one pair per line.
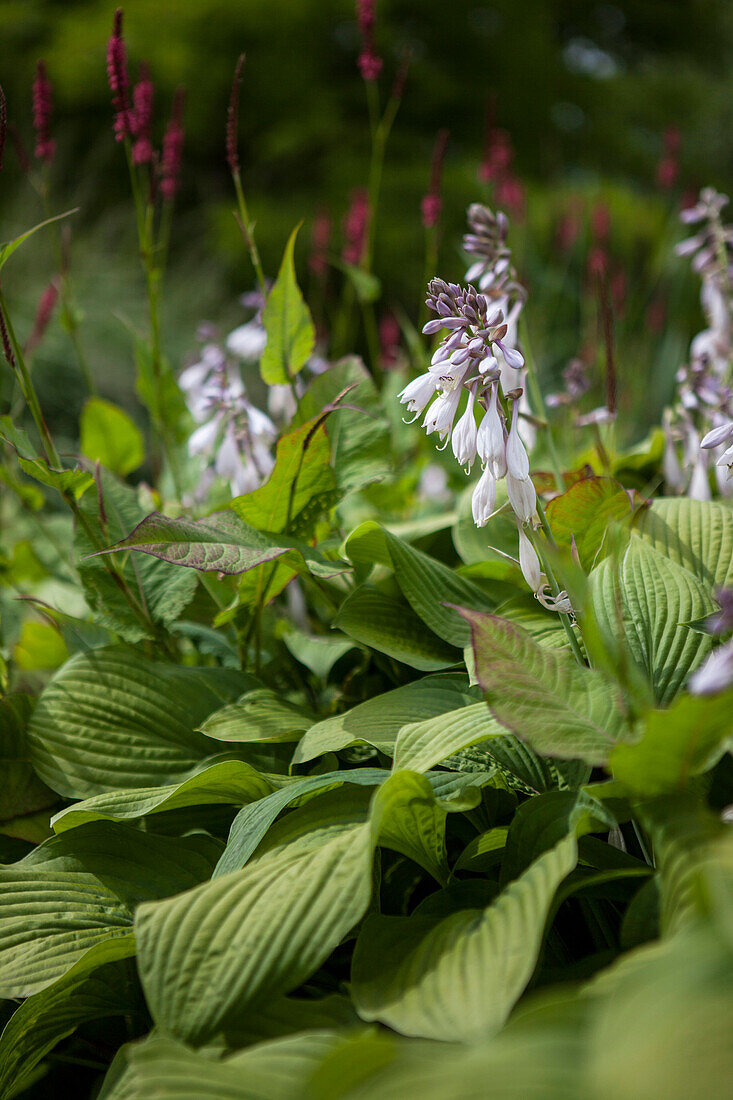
586,91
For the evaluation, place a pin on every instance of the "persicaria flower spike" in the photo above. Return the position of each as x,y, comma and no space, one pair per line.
370,64
432,204
142,117
42,111
119,81
172,153
233,118
356,224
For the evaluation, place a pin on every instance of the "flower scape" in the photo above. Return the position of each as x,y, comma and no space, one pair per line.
366,678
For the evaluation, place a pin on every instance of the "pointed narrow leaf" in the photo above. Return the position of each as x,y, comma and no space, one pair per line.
287,320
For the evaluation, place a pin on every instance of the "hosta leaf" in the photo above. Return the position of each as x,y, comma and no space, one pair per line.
111,718
421,745
657,598
696,534
253,935
377,721
102,983
426,584
318,652
391,627
156,585
228,782
520,765
584,512
359,433
22,793
109,436
300,485
260,715
287,321
543,695
162,1068
678,743
457,979
81,888
540,823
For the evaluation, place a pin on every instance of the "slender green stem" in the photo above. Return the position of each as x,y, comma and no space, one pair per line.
248,233
552,581
538,401
28,390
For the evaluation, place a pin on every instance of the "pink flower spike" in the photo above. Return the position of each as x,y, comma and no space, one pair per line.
432,203
42,110
370,63
172,153
119,81
142,117
356,224
233,117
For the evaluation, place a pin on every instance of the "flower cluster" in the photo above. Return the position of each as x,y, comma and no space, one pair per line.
142,117
698,426
370,63
475,356
118,79
233,436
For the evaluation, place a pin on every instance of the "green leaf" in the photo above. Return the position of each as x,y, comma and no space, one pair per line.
74,481
221,543
22,793
696,534
367,286
8,247
359,432
226,783
249,936
111,718
318,652
157,586
109,436
390,626
457,979
676,745
100,984
78,889
541,823
584,513
656,598
157,387
480,544
287,320
543,695
421,745
427,585
260,715
162,1068
300,487
378,720
40,646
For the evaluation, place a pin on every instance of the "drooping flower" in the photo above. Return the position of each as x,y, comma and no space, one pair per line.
716,674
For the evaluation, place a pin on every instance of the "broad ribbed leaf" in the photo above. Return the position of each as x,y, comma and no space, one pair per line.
250,936
111,718
426,584
260,715
287,321
102,983
378,721
162,1068
540,823
696,534
542,695
228,783
390,626
78,889
458,979
657,599
421,745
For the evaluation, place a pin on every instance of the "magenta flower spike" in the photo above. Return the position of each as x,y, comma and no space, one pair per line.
119,81
42,111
